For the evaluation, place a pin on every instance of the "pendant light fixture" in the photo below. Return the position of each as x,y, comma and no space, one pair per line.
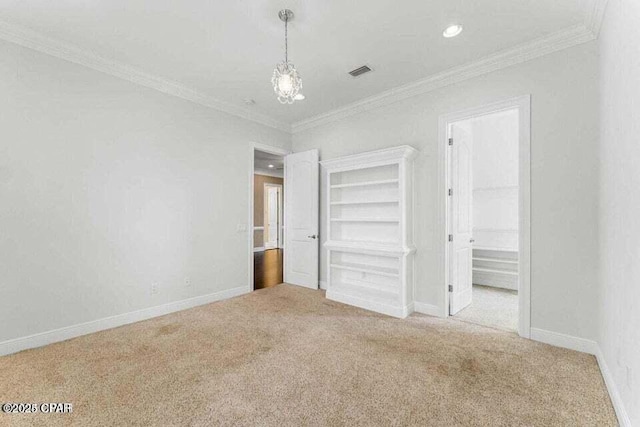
286,81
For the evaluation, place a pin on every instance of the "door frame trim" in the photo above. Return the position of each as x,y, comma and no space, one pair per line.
253,147
523,105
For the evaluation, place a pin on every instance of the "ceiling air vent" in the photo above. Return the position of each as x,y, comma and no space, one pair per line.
360,71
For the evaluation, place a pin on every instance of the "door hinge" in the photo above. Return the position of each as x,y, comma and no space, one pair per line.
450,288
450,141
450,192
451,237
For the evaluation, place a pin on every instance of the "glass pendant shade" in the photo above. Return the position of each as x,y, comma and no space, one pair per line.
286,82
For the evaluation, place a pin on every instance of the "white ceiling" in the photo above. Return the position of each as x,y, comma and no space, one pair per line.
227,49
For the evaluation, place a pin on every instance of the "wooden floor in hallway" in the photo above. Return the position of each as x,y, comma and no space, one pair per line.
267,268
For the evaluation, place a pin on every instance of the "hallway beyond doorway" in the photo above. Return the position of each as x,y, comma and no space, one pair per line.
267,268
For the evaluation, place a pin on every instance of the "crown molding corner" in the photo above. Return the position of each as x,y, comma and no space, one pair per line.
43,44
594,16
555,42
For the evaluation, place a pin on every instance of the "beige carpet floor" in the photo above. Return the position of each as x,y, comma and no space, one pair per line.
286,356
493,307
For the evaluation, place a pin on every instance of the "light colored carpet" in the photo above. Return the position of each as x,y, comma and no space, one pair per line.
493,307
286,356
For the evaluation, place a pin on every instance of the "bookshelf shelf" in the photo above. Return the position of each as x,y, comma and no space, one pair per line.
365,183
392,220
366,202
368,269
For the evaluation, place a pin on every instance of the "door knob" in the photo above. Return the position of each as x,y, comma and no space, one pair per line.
313,236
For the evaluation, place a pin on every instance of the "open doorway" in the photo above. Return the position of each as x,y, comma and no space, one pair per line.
487,191
268,226
285,247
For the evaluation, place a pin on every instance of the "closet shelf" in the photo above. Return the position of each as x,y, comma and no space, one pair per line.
367,183
493,249
500,260
368,269
489,270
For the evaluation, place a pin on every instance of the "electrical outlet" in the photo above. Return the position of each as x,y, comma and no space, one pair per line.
154,289
240,228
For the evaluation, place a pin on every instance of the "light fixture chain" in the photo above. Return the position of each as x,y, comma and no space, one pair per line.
286,39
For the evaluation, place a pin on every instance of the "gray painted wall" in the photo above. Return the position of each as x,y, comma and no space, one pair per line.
564,255
620,200
106,188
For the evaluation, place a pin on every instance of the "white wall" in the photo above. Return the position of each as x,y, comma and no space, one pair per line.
620,200
564,164
495,180
107,187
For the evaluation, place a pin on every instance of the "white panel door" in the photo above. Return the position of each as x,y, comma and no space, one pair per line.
301,219
461,254
271,217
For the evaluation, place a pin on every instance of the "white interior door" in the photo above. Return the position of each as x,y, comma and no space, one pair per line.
461,223
301,219
271,217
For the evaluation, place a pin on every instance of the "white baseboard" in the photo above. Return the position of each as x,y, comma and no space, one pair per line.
565,341
62,334
590,347
429,309
323,285
260,249
614,394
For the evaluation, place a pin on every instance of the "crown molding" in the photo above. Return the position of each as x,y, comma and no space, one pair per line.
41,43
572,36
561,40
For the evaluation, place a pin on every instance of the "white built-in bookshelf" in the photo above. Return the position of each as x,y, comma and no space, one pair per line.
370,231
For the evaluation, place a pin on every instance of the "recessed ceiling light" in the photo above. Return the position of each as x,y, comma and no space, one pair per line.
271,166
452,31
299,97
